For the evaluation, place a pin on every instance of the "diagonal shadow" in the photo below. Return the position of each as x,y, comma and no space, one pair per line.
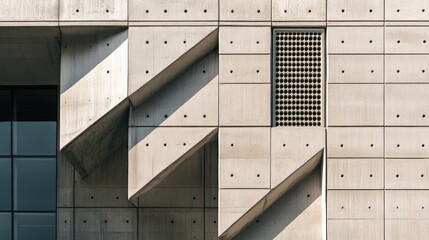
165,104
86,50
290,216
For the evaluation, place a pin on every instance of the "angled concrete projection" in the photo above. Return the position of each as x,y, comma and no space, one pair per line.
155,153
158,54
93,118
295,153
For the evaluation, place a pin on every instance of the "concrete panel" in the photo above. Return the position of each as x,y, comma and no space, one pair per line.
242,10
355,68
183,188
28,10
246,40
233,203
355,40
65,182
95,10
189,100
256,70
211,223
158,54
245,105
355,204
407,142
355,142
156,152
296,215
407,204
355,104
366,10
406,105
407,40
244,155
356,229
407,173
415,10
291,148
94,73
407,69
404,229
306,10
166,10
171,223
65,223
106,223
355,173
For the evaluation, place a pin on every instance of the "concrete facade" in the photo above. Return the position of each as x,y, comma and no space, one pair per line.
167,130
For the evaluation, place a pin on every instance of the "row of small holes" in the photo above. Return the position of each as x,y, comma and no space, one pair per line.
399,41
342,145
147,71
105,221
398,10
343,10
342,175
342,41
342,207
257,175
165,144
258,11
309,11
421,175
398,71
184,116
107,10
423,116
397,207
166,42
185,11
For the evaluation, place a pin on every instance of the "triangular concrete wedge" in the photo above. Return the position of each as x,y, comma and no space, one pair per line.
155,152
295,153
158,54
234,219
93,99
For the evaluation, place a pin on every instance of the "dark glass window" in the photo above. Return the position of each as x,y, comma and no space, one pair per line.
28,148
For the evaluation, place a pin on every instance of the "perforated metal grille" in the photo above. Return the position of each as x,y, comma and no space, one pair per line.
298,85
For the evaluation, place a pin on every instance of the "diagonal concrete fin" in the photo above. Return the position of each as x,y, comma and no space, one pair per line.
158,54
155,153
93,99
295,153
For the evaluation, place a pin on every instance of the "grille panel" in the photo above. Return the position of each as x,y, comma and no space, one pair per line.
298,78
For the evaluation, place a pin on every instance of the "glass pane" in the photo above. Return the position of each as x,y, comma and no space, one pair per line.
5,138
35,105
34,226
5,106
34,185
34,138
5,226
5,184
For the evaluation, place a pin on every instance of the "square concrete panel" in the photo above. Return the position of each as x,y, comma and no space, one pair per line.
355,104
167,10
407,173
366,10
256,70
407,69
406,105
94,10
243,10
407,142
407,40
355,204
407,204
404,229
304,10
355,173
356,68
244,40
28,10
355,40
244,104
244,142
291,148
414,10
355,142
356,229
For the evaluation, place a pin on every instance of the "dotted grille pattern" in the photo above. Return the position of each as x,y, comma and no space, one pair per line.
298,78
